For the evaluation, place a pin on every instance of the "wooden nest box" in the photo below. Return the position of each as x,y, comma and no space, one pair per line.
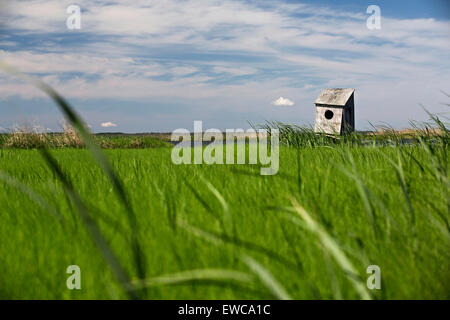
335,111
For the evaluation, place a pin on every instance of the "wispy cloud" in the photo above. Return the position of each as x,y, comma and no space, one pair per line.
233,55
243,71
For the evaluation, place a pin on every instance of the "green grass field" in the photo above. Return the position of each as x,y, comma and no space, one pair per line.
224,231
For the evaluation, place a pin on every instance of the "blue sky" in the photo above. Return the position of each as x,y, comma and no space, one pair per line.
159,65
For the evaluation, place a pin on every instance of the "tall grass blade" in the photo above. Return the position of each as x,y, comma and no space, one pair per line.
220,239
90,224
30,193
333,248
193,276
220,198
267,278
399,173
362,190
75,120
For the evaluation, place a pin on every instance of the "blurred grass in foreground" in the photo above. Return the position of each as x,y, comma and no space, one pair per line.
359,203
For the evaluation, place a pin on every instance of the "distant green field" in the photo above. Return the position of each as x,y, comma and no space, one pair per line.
224,231
34,140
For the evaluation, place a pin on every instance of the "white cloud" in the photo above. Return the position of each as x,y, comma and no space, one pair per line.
108,124
87,63
280,102
183,71
241,71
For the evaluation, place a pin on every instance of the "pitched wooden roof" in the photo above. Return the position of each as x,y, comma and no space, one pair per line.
335,97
